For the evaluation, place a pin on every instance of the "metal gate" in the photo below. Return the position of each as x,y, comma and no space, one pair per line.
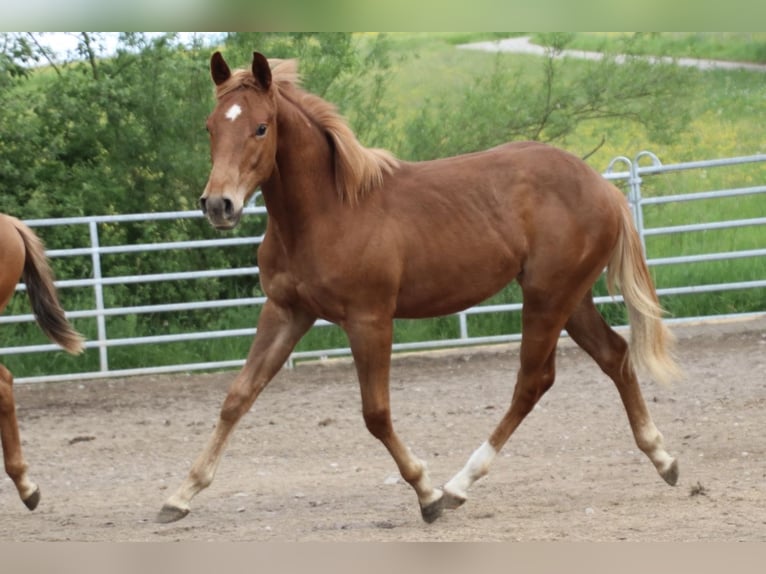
632,177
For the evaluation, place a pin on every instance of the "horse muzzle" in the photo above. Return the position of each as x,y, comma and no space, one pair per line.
220,211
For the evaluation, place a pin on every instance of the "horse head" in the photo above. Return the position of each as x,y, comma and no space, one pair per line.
243,138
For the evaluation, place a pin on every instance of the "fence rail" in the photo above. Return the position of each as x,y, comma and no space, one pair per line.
633,177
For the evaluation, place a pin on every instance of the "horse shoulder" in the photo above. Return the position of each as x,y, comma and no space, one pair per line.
277,282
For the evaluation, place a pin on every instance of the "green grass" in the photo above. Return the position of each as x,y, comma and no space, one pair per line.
726,106
731,46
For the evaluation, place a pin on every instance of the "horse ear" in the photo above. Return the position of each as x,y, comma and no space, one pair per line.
261,70
219,69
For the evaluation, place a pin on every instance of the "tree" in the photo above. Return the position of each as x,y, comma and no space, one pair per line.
511,104
102,135
336,66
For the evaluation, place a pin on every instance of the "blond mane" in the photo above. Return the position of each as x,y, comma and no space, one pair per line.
358,169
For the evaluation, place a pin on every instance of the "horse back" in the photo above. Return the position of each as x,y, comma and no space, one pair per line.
470,225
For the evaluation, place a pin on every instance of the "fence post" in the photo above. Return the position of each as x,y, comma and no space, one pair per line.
98,289
634,192
463,325
635,196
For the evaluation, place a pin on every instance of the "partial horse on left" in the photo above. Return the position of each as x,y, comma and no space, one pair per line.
22,255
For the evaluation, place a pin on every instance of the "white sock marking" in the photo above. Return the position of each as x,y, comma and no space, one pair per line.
476,467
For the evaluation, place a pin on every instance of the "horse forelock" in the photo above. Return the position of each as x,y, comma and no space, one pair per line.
358,169
283,72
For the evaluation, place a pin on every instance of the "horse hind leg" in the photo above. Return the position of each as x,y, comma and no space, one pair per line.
535,376
588,329
15,465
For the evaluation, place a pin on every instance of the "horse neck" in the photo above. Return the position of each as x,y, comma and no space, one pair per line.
302,187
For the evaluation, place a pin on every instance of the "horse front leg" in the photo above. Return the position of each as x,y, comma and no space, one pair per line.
279,330
15,465
370,342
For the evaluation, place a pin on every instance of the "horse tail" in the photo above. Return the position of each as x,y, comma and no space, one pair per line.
650,339
38,278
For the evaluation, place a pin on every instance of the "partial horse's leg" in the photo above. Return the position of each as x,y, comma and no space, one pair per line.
9,432
588,329
540,333
370,341
279,330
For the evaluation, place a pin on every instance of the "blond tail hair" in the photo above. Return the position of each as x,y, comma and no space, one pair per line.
650,339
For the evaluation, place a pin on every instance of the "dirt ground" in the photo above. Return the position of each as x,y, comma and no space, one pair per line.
301,466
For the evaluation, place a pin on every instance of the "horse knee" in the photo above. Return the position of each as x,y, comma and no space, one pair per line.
378,422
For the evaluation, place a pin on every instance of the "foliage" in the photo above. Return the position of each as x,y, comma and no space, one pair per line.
512,104
14,52
334,66
731,46
107,138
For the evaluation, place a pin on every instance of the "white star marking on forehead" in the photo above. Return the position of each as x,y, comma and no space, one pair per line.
233,112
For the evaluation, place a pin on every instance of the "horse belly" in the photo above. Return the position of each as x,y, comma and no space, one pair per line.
446,286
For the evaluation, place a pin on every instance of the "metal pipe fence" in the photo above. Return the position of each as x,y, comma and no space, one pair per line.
633,177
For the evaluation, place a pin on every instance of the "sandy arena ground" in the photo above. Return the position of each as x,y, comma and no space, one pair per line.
301,466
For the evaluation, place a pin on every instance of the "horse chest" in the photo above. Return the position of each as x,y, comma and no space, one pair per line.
291,285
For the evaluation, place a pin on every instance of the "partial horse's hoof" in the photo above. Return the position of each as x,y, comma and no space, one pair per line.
452,501
434,510
671,474
431,512
171,514
33,499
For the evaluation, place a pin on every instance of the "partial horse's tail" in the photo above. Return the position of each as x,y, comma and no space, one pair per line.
38,278
650,339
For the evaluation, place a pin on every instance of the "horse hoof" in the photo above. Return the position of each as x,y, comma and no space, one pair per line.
671,474
171,514
452,501
430,512
33,499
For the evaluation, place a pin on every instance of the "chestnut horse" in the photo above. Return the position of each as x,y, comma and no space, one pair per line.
22,255
357,237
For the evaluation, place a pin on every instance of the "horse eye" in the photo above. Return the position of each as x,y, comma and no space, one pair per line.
260,131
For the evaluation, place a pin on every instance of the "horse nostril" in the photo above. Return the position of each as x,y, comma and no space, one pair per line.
228,207
203,204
